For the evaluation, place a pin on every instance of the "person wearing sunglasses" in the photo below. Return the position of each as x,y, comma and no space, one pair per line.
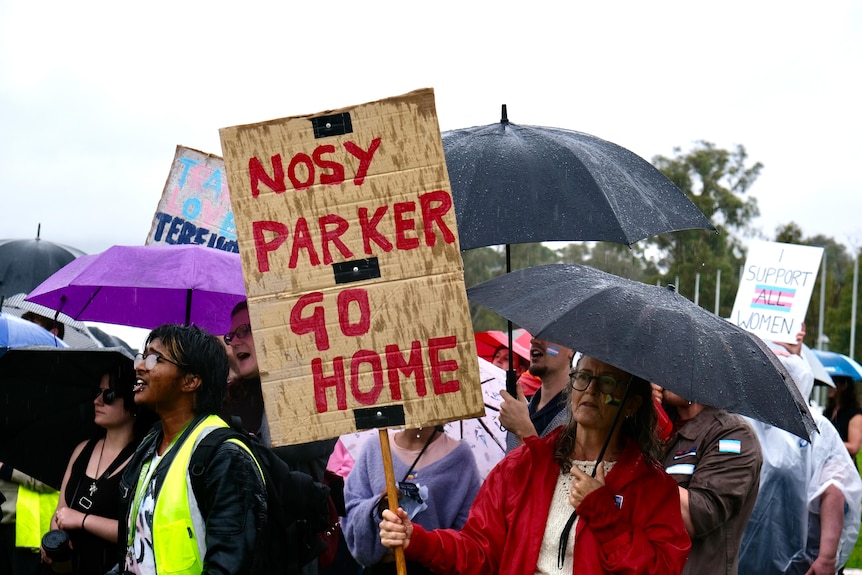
89,506
598,500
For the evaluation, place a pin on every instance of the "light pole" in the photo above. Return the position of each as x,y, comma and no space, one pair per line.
853,304
822,339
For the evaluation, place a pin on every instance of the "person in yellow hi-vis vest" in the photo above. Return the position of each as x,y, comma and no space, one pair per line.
182,376
26,514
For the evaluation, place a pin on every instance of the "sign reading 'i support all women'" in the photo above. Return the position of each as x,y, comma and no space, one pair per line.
775,289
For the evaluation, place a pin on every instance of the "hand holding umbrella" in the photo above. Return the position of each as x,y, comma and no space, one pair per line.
585,484
514,414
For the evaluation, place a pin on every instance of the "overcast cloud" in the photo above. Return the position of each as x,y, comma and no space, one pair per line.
95,96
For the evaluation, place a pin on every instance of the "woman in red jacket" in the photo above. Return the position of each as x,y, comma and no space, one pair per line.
546,508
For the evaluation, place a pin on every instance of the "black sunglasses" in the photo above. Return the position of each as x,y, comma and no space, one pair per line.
108,395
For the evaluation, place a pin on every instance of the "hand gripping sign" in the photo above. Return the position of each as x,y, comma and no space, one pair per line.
349,246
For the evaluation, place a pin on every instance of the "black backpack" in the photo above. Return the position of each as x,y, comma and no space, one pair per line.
297,506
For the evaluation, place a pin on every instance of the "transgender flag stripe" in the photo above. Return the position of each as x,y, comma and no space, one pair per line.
773,298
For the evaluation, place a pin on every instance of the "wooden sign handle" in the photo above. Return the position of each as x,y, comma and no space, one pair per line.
391,494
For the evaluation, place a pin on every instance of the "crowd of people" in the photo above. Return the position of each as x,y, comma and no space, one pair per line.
605,472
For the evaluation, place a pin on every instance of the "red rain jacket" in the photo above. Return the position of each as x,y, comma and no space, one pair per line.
504,531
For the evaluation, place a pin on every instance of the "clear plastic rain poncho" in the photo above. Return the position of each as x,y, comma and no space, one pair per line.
783,533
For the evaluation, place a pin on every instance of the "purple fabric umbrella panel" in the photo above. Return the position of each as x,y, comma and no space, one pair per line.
147,286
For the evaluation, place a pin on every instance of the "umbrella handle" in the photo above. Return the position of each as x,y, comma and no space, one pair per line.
512,383
511,376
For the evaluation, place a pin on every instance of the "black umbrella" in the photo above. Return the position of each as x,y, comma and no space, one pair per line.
47,398
518,184
109,340
654,333
24,264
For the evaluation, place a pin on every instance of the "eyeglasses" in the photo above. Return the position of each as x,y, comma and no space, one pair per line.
580,381
151,359
108,395
239,333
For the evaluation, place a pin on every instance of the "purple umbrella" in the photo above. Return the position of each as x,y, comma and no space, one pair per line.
147,286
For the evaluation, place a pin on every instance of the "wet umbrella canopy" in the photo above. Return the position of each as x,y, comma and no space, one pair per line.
17,332
654,333
24,264
839,364
516,184
147,286
75,333
47,394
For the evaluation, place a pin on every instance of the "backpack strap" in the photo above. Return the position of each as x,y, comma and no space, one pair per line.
205,451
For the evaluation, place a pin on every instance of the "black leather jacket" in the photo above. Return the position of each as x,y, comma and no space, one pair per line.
234,505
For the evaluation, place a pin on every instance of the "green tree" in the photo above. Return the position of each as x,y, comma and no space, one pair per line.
717,182
482,264
617,259
838,292
485,263
790,234
575,253
841,323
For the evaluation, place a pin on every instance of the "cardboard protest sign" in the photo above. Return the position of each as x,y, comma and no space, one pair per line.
350,254
775,289
195,207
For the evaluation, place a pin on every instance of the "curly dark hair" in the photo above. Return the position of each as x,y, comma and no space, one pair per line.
641,426
199,353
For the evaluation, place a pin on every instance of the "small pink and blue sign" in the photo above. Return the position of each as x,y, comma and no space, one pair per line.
195,206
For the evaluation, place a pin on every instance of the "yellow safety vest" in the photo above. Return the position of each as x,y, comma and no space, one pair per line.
175,542
33,512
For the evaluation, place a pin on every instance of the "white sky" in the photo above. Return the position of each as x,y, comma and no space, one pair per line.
95,96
